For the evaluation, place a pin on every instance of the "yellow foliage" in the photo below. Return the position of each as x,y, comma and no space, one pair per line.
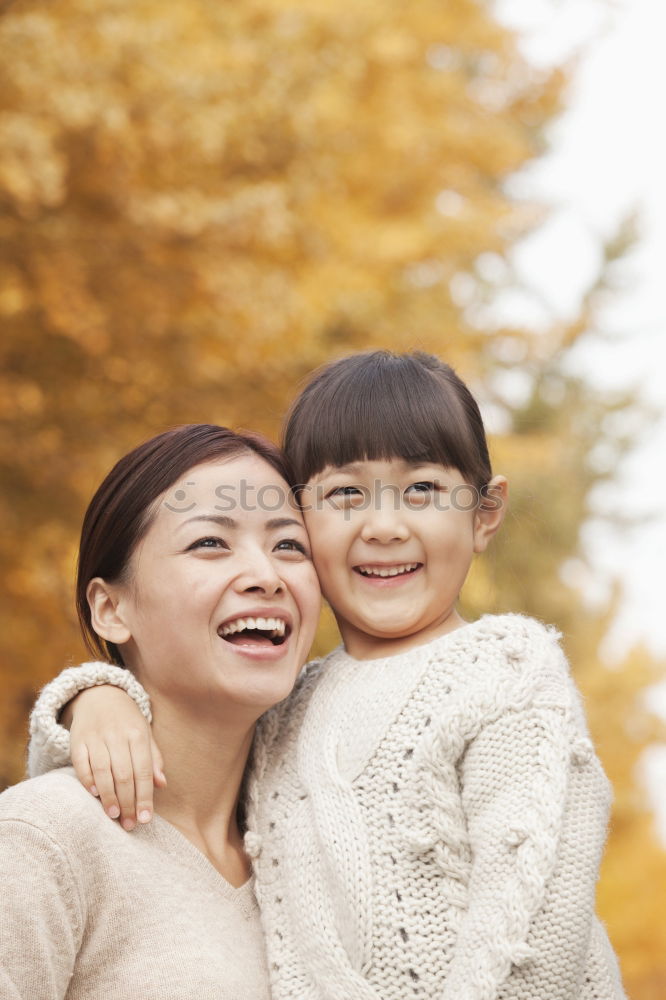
200,202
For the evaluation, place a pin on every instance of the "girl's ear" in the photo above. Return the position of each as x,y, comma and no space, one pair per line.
106,611
490,512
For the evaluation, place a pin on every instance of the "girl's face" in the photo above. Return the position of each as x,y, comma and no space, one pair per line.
222,599
392,544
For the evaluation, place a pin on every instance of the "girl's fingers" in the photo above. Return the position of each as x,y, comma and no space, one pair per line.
100,765
140,746
122,769
119,760
81,764
159,777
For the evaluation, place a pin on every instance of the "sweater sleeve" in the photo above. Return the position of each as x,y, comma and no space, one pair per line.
41,920
535,802
49,741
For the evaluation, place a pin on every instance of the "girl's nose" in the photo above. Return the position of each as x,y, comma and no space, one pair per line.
384,524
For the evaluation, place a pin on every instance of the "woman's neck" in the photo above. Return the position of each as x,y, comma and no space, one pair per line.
205,758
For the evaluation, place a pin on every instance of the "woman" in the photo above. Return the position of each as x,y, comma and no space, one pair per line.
209,598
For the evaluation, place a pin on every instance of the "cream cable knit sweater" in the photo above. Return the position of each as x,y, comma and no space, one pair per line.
88,911
430,826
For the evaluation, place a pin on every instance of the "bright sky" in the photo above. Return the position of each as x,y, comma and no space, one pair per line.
609,158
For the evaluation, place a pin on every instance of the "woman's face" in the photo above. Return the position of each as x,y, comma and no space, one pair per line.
222,600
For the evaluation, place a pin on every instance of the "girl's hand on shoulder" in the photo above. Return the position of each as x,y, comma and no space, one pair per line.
114,754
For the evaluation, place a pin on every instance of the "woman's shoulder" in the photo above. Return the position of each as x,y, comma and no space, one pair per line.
55,803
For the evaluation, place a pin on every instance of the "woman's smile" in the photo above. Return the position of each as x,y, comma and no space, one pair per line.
215,595
261,633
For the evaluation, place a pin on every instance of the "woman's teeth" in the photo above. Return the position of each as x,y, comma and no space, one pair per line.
387,570
274,627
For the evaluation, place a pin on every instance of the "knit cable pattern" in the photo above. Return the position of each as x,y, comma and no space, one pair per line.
432,827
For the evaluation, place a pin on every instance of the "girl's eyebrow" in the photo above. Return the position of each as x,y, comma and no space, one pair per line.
353,467
350,469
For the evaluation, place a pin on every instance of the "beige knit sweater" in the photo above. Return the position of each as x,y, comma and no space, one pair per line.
429,826
424,827
90,912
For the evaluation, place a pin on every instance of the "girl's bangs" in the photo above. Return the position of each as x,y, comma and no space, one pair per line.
385,422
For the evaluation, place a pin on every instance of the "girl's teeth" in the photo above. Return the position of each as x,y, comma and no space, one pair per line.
389,570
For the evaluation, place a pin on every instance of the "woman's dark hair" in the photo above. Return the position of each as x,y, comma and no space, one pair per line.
379,405
123,507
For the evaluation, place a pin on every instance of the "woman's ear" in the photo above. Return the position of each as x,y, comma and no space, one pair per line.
106,611
490,512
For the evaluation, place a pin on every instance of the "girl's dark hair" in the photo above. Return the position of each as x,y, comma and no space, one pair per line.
379,405
123,507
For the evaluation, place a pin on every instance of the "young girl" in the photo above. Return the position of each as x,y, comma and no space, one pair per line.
425,812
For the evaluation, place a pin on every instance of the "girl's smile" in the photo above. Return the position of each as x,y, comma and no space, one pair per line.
388,574
392,548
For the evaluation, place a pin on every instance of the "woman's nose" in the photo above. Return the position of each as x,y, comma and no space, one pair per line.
260,574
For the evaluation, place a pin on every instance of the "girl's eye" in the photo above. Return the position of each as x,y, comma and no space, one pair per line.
344,491
346,496
422,493
292,545
209,542
424,487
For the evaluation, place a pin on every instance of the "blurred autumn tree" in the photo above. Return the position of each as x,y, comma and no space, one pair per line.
199,202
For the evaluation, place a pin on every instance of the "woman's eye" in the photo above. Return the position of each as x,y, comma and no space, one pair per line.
209,542
292,545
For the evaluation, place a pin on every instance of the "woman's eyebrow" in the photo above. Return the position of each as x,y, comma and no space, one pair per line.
228,522
220,519
284,522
